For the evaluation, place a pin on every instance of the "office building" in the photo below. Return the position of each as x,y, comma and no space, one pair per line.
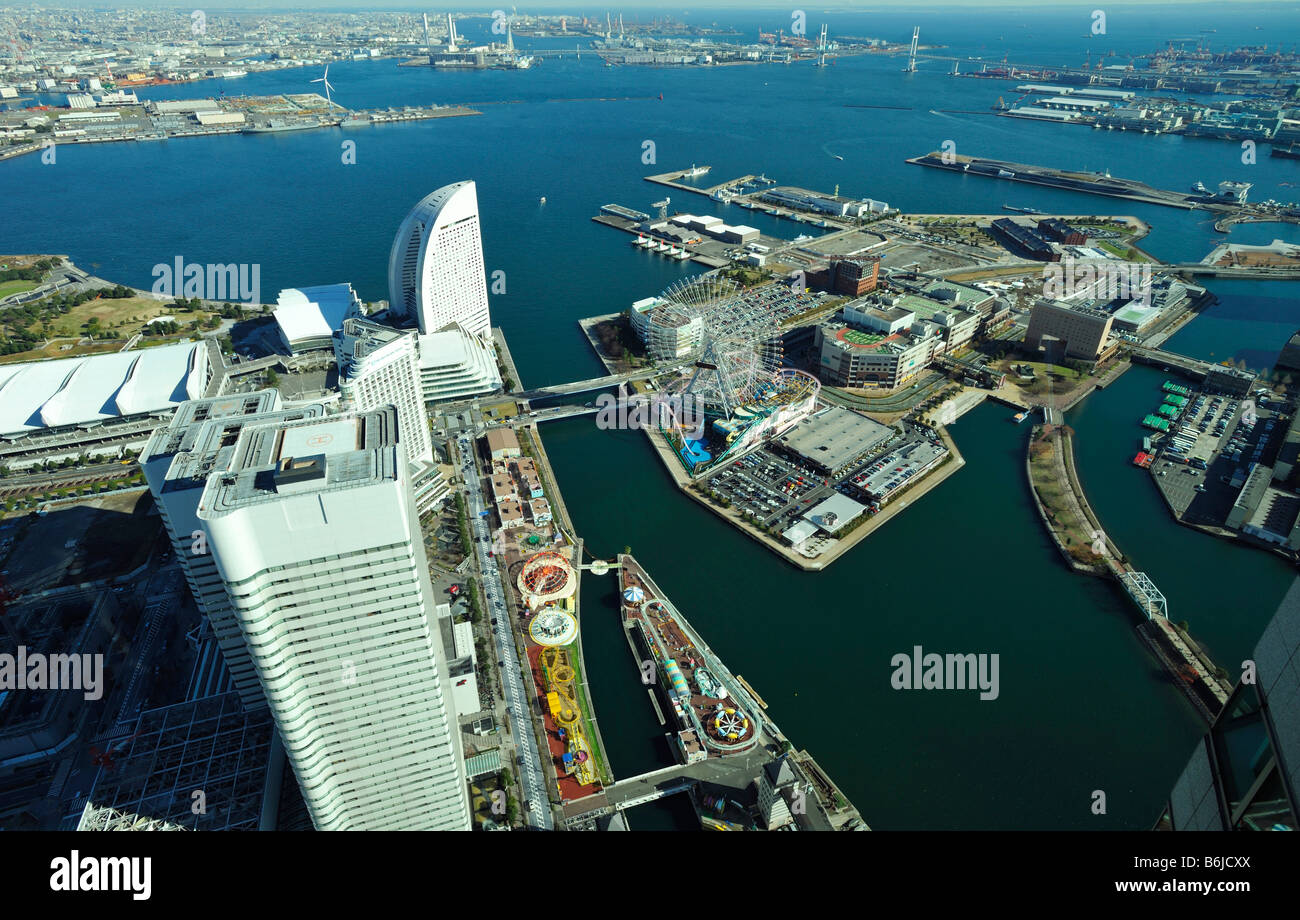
212,746
852,357
1064,330
177,462
1245,773
1231,381
435,270
315,533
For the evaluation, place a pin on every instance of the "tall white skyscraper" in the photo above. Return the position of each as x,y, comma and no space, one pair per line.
177,461
314,531
435,269
378,366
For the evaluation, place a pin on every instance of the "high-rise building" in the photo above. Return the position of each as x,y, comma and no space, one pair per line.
1245,773
314,531
177,462
379,365
435,270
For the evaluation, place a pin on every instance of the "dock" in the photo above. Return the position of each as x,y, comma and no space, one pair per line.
752,692
670,179
725,750
1073,181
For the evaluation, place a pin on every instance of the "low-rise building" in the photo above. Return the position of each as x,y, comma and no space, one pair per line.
1251,495
502,443
851,357
307,318
1230,380
454,364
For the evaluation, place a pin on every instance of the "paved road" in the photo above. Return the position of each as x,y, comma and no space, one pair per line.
531,772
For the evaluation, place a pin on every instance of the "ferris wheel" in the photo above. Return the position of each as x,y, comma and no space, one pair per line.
730,335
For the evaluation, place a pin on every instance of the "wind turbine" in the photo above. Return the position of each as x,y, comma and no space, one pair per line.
326,80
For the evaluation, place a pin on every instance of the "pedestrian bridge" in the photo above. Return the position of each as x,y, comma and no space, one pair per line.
1144,593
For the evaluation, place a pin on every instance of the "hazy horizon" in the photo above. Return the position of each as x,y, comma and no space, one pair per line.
673,7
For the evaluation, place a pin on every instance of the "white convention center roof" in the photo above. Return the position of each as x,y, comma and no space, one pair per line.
74,391
315,312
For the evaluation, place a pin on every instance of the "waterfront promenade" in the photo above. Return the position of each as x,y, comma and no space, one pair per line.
1084,546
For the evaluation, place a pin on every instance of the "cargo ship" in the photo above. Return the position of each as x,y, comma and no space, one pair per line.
1286,153
1008,207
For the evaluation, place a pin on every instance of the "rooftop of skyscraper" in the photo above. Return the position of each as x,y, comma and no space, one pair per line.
312,455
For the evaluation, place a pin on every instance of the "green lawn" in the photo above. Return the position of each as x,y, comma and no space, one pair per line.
15,287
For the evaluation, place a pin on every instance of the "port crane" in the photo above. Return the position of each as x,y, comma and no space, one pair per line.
663,208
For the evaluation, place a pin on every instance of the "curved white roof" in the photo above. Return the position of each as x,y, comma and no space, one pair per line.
313,312
435,267
74,391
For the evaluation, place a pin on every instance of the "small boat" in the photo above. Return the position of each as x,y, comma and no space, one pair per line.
542,200
1200,187
838,157
1019,417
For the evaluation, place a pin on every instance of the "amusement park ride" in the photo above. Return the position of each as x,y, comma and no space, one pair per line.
732,338
547,582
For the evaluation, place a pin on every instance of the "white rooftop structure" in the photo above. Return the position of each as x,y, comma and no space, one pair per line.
799,531
455,364
81,391
833,513
308,317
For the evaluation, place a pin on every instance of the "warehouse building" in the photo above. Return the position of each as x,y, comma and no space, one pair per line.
833,439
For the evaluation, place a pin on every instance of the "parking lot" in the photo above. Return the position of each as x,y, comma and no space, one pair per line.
769,489
776,491
1202,426
1207,455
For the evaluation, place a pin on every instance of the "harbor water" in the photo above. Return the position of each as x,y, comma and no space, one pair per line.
1082,705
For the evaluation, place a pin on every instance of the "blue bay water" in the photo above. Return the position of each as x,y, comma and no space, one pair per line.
1083,706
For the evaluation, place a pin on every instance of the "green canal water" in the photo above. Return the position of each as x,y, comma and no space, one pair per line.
1082,706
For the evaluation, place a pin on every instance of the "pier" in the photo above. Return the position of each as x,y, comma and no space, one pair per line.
670,179
1085,547
1072,181
724,746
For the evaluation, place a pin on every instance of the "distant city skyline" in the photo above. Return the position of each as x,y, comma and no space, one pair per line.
673,7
